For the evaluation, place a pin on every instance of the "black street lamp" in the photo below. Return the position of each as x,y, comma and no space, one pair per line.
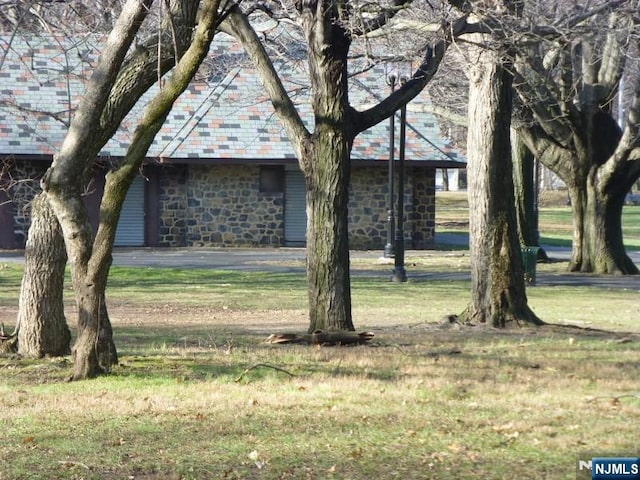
399,272
392,78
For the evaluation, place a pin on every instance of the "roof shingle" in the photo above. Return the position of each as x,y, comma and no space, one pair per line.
228,117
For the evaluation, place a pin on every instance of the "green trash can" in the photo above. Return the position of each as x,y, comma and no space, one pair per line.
529,260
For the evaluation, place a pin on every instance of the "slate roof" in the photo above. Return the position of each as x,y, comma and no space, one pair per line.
227,117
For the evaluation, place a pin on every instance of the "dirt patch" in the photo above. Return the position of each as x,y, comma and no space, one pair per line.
181,316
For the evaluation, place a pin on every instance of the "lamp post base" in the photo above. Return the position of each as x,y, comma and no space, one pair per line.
399,275
389,251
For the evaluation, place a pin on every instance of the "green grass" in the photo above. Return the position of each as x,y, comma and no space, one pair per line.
195,397
189,401
555,218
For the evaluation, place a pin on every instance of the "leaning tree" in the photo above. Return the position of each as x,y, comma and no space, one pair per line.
567,85
41,326
329,30
122,75
91,255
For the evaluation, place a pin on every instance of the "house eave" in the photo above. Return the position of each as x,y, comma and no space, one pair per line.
358,162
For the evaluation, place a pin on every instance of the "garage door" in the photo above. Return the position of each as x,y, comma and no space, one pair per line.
295,209
130,232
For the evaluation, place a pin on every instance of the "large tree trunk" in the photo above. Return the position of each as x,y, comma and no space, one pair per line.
498,294
326,168
93,352
42,327
327,234
598,246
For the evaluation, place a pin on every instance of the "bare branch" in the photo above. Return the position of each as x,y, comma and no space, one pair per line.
424,73
262,365
368,25
237,25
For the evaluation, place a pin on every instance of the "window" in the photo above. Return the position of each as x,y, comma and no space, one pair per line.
271,178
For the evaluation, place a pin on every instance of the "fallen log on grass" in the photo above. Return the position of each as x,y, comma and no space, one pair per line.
321,338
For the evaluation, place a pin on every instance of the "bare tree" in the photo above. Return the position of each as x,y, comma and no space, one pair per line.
566,84
61,17
498,296
329,29
91,257
118,82
41,326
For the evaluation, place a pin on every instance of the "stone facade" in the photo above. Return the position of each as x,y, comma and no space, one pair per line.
226,208
20,184
222,206
422,211
218,205
369,205
172,206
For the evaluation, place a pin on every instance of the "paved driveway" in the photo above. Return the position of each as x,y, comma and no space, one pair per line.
293,260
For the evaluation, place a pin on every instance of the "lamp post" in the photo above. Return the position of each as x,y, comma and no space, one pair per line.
388,248
399,272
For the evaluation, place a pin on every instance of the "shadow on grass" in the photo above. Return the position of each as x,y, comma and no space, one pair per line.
160,356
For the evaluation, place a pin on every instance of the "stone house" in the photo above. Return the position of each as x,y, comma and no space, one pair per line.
221,171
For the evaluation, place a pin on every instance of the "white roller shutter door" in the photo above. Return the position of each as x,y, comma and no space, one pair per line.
295,209
130,232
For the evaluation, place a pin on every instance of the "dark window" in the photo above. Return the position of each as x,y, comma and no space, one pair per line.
271,178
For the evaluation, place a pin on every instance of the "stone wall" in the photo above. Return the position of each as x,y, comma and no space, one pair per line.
219,205
222,206
422,216
226,208
172,206
369,206
21,183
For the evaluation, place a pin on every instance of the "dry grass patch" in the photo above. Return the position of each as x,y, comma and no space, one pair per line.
421,402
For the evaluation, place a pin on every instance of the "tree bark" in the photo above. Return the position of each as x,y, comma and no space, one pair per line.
324,155
326,165
498,296
526,193
99,116
41,325
598,245
327,233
